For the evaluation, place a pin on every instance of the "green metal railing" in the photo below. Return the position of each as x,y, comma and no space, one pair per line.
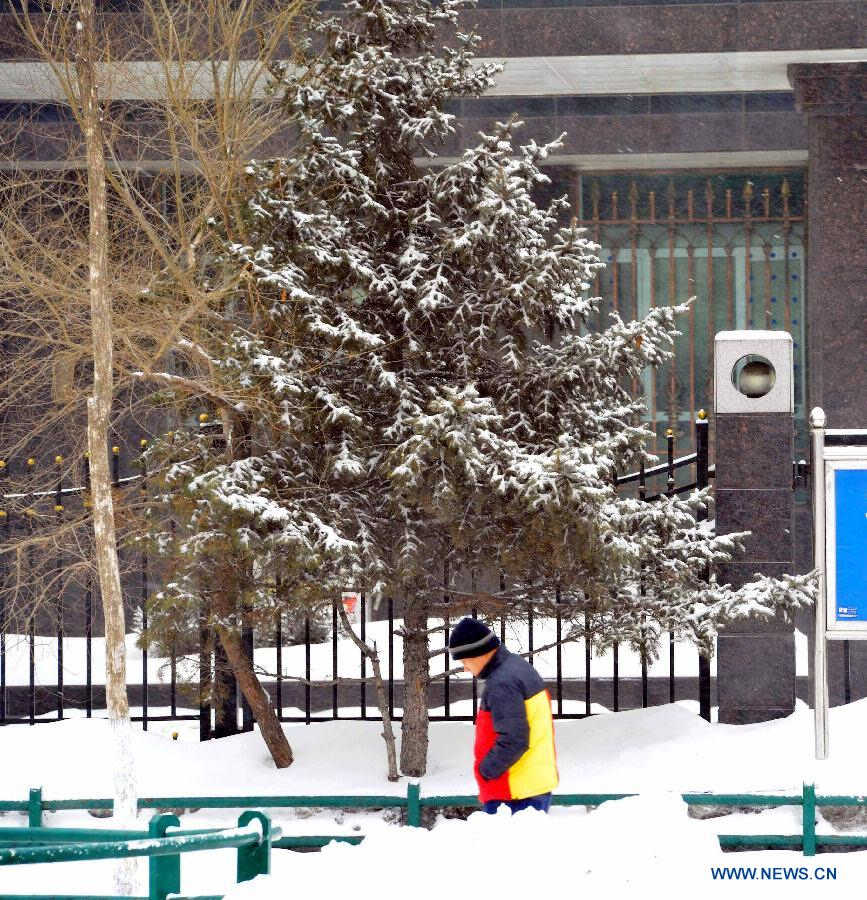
42,844
253,838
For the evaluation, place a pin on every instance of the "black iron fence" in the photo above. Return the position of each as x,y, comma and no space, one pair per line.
310,678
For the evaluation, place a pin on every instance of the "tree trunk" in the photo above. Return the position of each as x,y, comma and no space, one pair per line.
263,712
98,415
416,678
381,697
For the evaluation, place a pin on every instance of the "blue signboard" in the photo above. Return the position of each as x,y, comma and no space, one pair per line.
850,490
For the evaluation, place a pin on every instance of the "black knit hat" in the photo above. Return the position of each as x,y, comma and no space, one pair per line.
470,637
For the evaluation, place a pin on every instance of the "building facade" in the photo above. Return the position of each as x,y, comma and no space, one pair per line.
715,149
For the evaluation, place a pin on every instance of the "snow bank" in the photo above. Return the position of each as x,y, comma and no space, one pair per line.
646,842
661,748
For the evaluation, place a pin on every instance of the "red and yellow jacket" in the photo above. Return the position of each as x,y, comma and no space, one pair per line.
514,750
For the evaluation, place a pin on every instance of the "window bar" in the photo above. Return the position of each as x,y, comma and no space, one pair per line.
248,638
642,495
206,672
654,406
115,481
363,629
672,298
616,685
670,493
307,669
4,520
530,632
475,680
144,606
709,232
88,606
701,481
587,704
391,656
334,658
173,681
446,622
748,250
769,318
597,237
690,282
58,509
31,628
643,663
633,256
559,651
787,274
278,640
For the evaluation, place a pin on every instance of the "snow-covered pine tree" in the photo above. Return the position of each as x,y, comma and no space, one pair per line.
420,376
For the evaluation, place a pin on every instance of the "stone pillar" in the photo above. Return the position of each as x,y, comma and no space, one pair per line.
755,439
756,657
833,97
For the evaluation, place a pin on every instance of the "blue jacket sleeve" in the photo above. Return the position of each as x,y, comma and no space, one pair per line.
509,715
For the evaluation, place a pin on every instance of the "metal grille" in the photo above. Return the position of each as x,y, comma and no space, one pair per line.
735,242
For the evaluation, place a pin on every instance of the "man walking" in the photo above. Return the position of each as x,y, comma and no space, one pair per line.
515,760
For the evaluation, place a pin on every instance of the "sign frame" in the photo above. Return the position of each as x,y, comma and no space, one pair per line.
831,448
836,459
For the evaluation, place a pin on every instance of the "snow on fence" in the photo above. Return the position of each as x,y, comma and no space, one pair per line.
44,677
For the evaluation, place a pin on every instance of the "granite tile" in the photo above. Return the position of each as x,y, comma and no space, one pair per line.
772,101
560,32
696,133
766,514
503,107
605,134
677,29
696,103
775,131
739,466
752,715
795,26
755,676
613,105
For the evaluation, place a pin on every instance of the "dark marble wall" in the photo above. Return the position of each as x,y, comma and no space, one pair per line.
551,28
834,99
547,30
671,123
756,657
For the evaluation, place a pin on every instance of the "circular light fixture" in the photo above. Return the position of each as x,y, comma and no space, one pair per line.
754,376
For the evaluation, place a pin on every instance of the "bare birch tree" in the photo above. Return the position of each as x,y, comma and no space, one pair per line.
165,109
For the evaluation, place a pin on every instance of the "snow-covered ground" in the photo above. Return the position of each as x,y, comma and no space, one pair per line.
646,843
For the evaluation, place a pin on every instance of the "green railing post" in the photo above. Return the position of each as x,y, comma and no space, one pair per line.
413,804
809,820
34,808
164,872
255,859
